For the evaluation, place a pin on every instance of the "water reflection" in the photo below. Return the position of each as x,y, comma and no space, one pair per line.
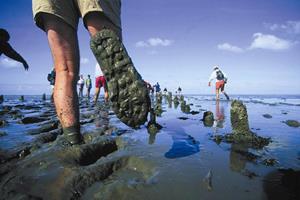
183,144
219,116
237,159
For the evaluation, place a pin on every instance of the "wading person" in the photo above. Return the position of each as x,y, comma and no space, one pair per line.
127,91
7,50
100,82
51,79
157,88
80,84
88,85
179,90
221,80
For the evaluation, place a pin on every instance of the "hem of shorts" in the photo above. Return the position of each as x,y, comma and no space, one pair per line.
101,11
35,18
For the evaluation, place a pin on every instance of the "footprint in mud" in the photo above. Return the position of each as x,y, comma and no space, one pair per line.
108,175
66,173
132,173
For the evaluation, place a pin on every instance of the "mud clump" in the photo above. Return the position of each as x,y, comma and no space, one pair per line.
159,98
1,99
32,120
21,98
208,119
185,108
282,184
169,99
194,112
66,173
158,110
292,123
181,98
176,102
49,126
240,126
269,162
47,137
3,123
239,118
2,133
7,108
268,116
153,127
44,97
183,118
241,133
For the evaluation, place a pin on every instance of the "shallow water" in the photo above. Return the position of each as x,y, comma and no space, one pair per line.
183,154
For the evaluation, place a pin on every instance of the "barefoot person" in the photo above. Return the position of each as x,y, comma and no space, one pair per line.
51,79
100,82
80,84
88,85
221,80
127,91
7,50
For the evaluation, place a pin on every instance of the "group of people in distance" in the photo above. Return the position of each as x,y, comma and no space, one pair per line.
86,83
128,92
157,89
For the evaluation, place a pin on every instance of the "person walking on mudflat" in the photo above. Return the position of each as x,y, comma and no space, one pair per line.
100,82
88,85
7,50
221,80
127,91
51,79
80,84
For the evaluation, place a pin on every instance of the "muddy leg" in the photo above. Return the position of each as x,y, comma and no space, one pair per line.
64,47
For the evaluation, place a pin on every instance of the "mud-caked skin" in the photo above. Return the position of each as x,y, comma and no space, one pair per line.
127,91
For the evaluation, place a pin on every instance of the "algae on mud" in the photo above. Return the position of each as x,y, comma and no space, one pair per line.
241,133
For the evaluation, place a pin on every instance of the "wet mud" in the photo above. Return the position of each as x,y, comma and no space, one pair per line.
176,151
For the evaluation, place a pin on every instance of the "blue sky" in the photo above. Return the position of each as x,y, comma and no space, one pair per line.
176,43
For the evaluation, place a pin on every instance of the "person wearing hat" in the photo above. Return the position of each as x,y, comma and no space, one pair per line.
221,80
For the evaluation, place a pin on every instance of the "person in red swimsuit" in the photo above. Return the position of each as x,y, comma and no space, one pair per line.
100,82
221,80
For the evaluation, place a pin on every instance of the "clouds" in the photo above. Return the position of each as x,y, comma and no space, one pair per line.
154,42
9,63
260,41
289,29
84,61
270,42
292,27
229,47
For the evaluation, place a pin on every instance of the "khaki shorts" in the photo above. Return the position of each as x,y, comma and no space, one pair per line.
71,10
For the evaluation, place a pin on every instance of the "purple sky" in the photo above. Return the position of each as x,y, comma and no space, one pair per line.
177,43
